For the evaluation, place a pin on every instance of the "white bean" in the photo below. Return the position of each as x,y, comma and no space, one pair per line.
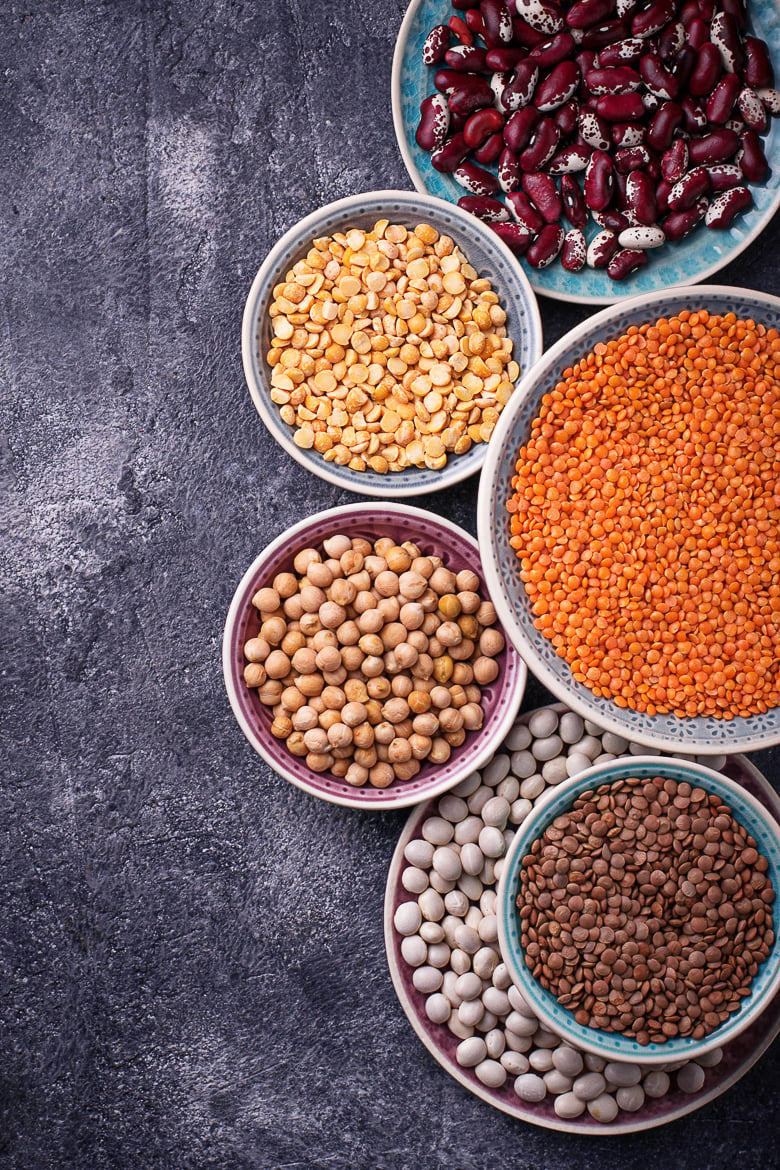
711,1058
485,962
496,770
570,727
589,1086
519,810
439,954
515,1063
450,923
470,1052
543,722
603,1108
509,789
468,831
604,758
437,1008
593,1062
540,1060
567,1060
460,961
471,859
431,905
589,745
488,928
491,842
487,875
440,885
656,1083
496,1001
479,798
530,1087
577,762
432,932
458,1028
690,1078
519,1043
519,737
555,770
448,988
473,917
427,979
611,742
488,901
547,747
593,728
631,1097
495,813
467,939
452,808
469,986
488,1021
492,1073
501,977
532,787
520,1003
437,831
414,950
419,853
457,901
568,1105
467,786
523,764
407,918
520,1025
447,863
622,1074
545,1039
471,1012
414,880
494,1039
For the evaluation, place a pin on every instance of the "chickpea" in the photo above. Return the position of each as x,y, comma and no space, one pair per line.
304,661
401,686
463,651
419,702
334,678
285,585
339,735
486,614
341,757
333,697
267,600
378,688
381,775
422,565
352,658
360,581
412,585
336,546
312,598
316,739
361,545
366,756
256,650
292,699
408,770
386,584
491,643
450,719
373,666
389,608
423,668
320,574
395,710
469,601
364,602
425,724
412,615
305,718
455,738
440,751
273,630
328,659
443,581
318,761
370,621
277,664
462,674
435,648
420,745
254,674
343,592
371,644
398,559
316,702
384,733
324,638
399,751
355,775
310,685
348,634
355,691
485,670
363,735
429,601
328,718
304,558
282,727
351,562
417,639
393,634
310,624
443,667
332,615
450,606
374,565
473,693
469,626
293,608
467,581
374,711
431,623
295,744
293,640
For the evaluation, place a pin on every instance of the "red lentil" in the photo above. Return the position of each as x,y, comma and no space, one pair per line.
646,516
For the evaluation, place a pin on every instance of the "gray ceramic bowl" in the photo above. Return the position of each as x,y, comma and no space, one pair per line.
691,736
484,250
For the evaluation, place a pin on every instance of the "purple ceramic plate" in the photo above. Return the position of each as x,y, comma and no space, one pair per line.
435,536
738,1056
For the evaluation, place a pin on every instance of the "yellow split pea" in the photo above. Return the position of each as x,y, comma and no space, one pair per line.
388,350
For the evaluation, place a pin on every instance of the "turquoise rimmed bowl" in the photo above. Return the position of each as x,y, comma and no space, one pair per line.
751,814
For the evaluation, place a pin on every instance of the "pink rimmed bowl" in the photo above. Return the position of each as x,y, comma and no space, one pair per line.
435,536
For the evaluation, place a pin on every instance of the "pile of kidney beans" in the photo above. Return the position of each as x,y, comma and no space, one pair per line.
658,108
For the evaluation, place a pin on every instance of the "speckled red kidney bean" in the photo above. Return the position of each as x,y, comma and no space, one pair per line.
505,58
450,154
689,189
611,219
461,30
707,9
447,80
771,99
651,20
718,146
662,189
724,34
541,148
544,195
498,83
594,130
674,163
752,110
546,247
600,35
727,206
473,19
752,160
667,118
574,207
435,45
631,158
657,77
519,128
465,59
509,171
465,101
487,209
481,125
527,36
697,33
568,160
758,71
620,107
599,181
514,235
476,180
574,251
434,122
601,249
628,134
724,176
707,70
694,116
678,223
614,79
624,262
626,52
684,65
521,85
497,20
490,151
586,13
551,52
671,40
543,15
557,87
640,197
565,117
689,11
736,9
721,101
524,212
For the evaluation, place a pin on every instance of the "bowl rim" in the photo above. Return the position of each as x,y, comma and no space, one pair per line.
566,296
563,689
376,485
610,1046
492,740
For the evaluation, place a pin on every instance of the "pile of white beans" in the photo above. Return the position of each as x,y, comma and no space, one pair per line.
449,929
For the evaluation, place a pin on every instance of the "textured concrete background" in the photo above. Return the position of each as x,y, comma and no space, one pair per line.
191,962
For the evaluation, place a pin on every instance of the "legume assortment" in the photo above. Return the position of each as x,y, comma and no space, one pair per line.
659,107
646,516
389,350
645,908
372,658
449,932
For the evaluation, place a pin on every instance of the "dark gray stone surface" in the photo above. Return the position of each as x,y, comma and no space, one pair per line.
192,970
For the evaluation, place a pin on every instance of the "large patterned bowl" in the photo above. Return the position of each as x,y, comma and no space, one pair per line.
692,736
486,253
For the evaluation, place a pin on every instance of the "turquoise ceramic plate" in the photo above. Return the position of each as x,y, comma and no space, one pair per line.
750,813
703,253
697,736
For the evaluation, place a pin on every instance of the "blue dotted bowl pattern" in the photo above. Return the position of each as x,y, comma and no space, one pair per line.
695,258
612,1045
484,251
692,736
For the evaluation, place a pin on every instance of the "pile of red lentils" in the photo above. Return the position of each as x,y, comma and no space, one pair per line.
646,516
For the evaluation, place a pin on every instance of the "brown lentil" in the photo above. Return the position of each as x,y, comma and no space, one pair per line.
388,350
667,961
369,705
646,515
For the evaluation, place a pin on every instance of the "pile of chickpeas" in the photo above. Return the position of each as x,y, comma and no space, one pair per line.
372,657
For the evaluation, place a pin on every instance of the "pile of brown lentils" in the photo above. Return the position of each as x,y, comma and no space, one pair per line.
645,909
646,515
372,657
